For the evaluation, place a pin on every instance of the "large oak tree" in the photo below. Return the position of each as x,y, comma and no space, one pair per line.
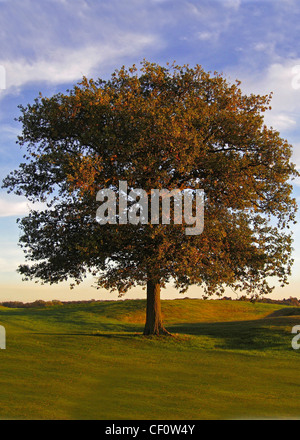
157,127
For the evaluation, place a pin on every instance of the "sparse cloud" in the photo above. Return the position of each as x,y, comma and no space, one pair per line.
65,65
278,80
11,260
207,35
10,207
235,4
58,41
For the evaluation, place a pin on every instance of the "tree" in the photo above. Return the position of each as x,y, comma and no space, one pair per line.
158,127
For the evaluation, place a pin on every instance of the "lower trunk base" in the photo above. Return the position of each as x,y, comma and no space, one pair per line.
156,332
154,324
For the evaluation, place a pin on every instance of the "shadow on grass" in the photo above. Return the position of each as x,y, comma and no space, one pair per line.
272,332
112,335
260,334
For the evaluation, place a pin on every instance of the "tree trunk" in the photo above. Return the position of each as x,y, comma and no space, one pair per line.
154,324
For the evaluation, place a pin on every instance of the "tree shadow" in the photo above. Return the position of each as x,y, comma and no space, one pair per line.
260,334
271,332
111,335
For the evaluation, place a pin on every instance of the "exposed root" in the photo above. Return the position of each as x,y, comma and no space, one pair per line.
157,332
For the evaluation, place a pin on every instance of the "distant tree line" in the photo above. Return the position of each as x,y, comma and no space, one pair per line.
291,301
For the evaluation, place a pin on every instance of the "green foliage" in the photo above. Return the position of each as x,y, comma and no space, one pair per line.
160,127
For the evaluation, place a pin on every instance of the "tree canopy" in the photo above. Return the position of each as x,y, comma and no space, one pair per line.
171,127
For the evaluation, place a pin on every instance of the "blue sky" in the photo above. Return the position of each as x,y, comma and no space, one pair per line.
48,46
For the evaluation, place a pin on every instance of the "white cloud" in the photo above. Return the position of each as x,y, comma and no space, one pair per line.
235,4
11,259
65,65
278,79
59,41
13,208
9,131
205,35
296,158
285,114
281,121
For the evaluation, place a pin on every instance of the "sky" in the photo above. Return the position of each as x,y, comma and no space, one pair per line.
48,46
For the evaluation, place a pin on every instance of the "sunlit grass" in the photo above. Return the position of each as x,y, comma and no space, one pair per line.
227,359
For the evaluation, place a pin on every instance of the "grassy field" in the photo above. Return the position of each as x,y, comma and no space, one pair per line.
227,360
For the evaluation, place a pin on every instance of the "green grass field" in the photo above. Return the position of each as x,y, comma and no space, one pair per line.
227,360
